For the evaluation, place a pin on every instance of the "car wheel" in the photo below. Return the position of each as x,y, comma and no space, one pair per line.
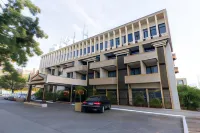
109,107
102,109
83,110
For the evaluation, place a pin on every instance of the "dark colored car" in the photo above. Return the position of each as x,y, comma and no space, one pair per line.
97,103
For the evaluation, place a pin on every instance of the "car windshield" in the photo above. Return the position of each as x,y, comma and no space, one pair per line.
95,98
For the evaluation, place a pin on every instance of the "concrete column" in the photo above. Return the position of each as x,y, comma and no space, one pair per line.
133,33
120,38
99,40
117,83
28,99
140,30
141,33
71,93
94,44
141,49
103,73
149,35
128,70
108,47
72,52
86,47
166,23
82,48
147,93
54,93
114,42
103,42
156,21
126,32
130,95
90,46
143,67
79,50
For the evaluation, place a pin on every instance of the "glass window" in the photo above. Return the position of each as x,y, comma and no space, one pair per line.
83,77
91,75
145,32
162,28
112,74
149,49
74,53
97,47
123,39
111,43
84,51
68,75
152,69
101,46
77,53
92,48
80,51
137,35
117,41
135,71
106,44
130,37
88,49
153,30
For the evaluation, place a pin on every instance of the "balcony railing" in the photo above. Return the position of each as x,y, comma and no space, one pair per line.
103,81
139,57
77,68
143,78
105,63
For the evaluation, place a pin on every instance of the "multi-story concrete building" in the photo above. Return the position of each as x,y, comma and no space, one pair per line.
133,58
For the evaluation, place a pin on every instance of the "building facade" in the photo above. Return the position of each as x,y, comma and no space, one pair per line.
181,81
134,58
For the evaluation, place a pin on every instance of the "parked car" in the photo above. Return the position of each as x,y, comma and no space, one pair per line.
11,97
33,97
96,103
6,96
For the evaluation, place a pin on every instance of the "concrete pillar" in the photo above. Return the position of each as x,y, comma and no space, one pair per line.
141,49
82,48
86,48
128,70
143,67
114,41
103,73
166,23
117,83
94,44
120,38
99,41
108,47
71,93
141,33
90,46
149,35
28,99
130,95
147,93
133,33
126,32
156,21
54,93
103,42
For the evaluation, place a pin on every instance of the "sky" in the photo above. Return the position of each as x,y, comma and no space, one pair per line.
62,18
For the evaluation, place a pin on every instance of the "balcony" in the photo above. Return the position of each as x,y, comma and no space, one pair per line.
176,70
174,56
103,64
103,81
80,68
143,78
139,57
65,81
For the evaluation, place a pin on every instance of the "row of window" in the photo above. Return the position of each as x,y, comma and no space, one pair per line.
153,32
149,70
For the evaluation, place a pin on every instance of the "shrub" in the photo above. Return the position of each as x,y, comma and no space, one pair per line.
48,95
189,97
62,96
155,103
139,100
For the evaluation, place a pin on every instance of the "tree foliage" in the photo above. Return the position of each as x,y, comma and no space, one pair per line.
12,81
189,97
18,33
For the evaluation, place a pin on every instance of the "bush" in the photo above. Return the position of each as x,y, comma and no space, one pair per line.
155,103
139,100
48,95
62,96
189,97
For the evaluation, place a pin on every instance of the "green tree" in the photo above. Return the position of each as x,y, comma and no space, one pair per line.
12,81
189,97
18,33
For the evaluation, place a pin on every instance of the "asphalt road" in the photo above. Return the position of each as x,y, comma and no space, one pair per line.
60,118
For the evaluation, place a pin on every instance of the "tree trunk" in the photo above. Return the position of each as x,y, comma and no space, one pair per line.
12,91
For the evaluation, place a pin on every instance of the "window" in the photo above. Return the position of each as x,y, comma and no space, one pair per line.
80,51
84,51
135,71
162,28
111,43
88,49
74,54
149,48
91,75
101,46
145,32
77,53
130,37
112,74
180,82
117,41
70,75
123,39
70,54
97,47
153,30
137,35
106,44
152,69
92,48
135,52
83,77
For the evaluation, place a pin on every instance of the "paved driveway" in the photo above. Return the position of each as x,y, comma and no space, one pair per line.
60,118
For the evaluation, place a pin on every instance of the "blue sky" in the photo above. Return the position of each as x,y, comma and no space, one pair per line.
61,18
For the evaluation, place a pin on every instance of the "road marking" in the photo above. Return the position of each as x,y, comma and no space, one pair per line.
185,126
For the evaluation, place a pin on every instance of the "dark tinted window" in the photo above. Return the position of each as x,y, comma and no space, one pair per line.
93,99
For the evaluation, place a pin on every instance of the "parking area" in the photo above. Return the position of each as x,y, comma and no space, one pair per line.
61,118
